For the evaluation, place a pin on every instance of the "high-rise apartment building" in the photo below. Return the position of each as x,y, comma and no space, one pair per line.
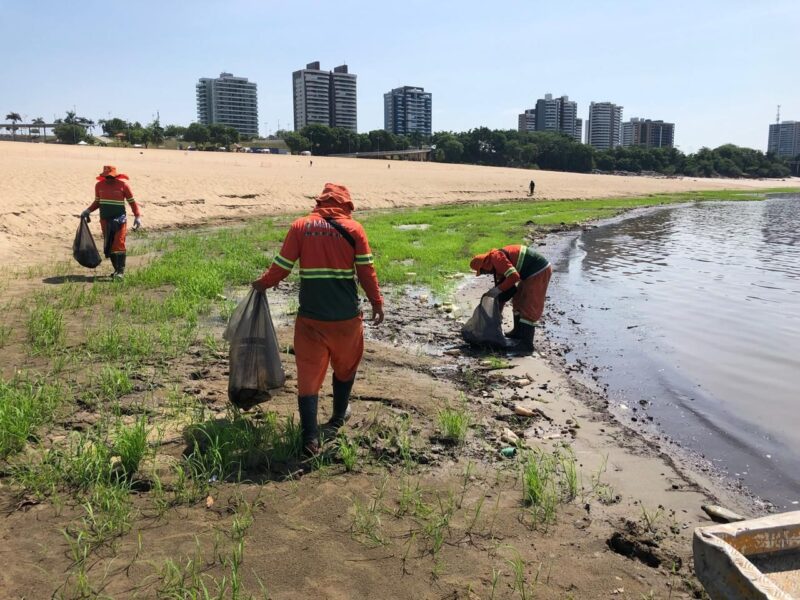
407,110
325,97
784,139
553,114
604,128
645,132
527,121
228,100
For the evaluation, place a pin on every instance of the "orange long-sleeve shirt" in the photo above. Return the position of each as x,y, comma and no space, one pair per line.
328,265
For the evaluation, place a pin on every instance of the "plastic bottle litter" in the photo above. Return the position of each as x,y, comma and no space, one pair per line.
509,437
523,412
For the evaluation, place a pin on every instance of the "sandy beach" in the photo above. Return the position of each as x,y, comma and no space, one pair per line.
43,188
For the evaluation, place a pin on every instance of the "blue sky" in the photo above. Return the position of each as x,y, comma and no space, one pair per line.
718,69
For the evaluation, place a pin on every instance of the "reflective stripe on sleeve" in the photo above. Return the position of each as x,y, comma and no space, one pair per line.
282,262
363,259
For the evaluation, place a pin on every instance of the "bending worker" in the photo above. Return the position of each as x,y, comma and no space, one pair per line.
111,192
332,248
522,275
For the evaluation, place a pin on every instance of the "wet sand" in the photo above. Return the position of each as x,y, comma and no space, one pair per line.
43,188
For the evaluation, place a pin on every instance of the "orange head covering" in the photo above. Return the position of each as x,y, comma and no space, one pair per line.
110,171
481,261
335,196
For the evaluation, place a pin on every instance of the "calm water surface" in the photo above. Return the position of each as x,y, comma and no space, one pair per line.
696,309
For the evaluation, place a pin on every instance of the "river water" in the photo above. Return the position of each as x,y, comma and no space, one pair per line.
692,314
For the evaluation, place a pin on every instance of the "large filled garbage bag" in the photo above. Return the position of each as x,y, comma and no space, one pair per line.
255,362
84,249
485,327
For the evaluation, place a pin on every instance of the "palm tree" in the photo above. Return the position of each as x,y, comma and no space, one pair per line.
40,121
13,117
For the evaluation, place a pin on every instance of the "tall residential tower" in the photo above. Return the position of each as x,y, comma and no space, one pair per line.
553,114
784,139
604,128
325,97
644,132
407,110
228,100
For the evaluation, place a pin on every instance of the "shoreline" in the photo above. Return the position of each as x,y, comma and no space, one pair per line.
716,480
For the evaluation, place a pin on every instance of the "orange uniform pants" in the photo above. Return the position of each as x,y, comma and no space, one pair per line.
118,243
320,343
529,300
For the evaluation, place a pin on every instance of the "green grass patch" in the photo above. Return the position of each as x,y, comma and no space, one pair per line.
454,423
46,333
24,405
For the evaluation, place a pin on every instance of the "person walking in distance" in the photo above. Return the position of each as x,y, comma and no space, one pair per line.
531,187
111,193
332,249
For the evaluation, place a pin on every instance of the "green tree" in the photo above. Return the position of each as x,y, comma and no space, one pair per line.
112,127
174,131
13,117
40,122
70,129
296,142
156,132
197,133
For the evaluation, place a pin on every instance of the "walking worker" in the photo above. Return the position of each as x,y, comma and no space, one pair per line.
111,192
522,275
332,248
531,187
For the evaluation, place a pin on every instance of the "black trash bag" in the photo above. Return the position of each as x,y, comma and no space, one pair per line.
84,249
255,362
485,327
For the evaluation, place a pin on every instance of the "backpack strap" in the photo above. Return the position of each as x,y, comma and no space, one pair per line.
340,228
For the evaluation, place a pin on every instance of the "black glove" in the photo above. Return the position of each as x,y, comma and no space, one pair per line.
507,295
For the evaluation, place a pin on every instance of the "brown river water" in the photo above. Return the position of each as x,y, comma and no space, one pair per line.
692,314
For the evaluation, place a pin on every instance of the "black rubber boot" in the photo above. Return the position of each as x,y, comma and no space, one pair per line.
514,333
341,407
307,405
523,342
525,337
113,259
121,258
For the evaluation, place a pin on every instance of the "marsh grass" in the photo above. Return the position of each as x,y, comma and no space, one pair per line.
453,424
46,333
226,449
548,479
25,404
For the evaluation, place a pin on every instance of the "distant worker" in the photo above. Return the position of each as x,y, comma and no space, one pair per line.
531,187
522,275
111,192
311,163
332,248
389,166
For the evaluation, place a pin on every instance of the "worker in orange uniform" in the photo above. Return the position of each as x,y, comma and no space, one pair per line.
111,192
332,249
522,275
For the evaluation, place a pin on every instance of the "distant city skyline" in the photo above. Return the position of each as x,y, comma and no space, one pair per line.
719,74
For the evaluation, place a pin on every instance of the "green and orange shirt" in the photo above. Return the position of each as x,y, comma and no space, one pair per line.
110,195
328,265
514,263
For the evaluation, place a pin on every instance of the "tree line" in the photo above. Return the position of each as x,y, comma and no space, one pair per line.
480,146
543,150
